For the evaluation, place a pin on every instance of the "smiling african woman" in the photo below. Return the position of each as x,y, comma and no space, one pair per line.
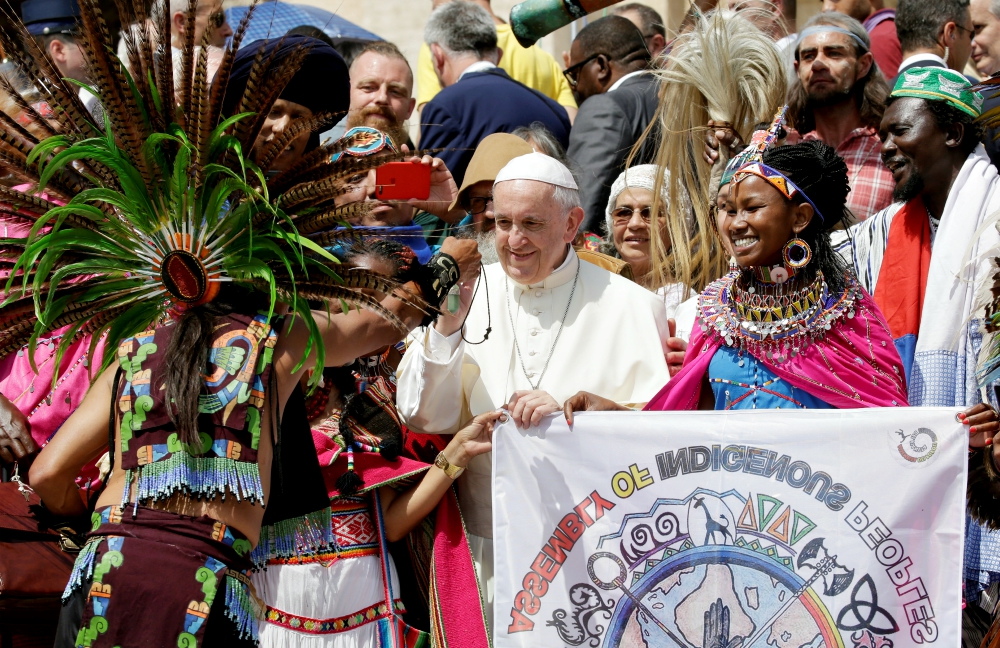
789,326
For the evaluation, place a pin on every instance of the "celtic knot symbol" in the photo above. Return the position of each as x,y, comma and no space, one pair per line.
864,613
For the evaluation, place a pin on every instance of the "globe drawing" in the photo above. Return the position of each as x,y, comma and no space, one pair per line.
721,596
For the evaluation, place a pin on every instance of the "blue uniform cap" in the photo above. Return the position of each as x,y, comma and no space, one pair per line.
44,17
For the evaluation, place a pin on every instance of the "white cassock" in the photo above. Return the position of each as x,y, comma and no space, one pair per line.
613,345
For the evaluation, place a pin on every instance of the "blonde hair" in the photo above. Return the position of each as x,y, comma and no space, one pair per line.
725,69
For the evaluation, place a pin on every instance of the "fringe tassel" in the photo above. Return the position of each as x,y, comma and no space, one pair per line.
83,568
243,607
199,476
296,537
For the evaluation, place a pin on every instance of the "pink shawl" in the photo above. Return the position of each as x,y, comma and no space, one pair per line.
45,408
854,365
457,617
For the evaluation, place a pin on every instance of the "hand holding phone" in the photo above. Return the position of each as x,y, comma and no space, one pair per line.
403,181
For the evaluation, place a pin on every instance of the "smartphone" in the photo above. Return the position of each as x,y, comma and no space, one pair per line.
402,181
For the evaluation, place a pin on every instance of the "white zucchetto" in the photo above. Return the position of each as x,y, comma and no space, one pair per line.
540,167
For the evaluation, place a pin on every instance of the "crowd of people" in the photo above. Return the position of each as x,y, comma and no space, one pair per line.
298,369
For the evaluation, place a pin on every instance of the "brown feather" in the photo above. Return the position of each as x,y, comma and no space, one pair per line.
319,221
311,125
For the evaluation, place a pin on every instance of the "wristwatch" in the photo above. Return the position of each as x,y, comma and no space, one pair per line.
452,471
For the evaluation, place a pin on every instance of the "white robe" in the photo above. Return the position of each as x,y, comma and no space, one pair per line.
613,345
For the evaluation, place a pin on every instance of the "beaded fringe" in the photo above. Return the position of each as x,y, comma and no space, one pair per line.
199,476
83,567
296,537
242,606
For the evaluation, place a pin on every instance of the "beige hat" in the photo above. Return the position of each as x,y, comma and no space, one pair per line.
492,154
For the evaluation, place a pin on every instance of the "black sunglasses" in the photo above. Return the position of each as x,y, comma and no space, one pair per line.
571,73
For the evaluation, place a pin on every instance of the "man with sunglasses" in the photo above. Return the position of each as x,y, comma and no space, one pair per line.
934,33
209,16
609,72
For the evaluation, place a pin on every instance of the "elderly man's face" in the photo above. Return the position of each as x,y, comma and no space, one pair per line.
914,149
381,94
532,231
986,43
828,67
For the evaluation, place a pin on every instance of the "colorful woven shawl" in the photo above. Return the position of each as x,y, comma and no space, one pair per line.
855,364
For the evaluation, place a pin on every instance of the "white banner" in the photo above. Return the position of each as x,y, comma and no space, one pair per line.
785,529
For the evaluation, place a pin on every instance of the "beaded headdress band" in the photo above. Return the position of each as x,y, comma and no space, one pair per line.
754,166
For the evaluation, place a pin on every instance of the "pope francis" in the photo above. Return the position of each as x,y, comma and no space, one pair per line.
542,326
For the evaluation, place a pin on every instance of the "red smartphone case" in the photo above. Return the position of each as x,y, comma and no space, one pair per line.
402,181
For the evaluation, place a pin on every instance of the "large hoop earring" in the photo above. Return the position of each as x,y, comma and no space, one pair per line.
797,253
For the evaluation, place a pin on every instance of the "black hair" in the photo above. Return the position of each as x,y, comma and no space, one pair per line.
918,22
313,32
945,115
186,356
821,174
616,37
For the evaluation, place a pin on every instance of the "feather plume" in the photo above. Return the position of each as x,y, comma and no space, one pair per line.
315,222
311,125
726,70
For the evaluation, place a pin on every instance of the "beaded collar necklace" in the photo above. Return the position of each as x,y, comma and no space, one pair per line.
776,326
778,274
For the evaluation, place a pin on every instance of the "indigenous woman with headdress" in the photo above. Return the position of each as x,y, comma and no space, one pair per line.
179,247
789,326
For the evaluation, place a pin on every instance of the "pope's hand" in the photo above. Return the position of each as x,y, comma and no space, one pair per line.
676,349
15,433
474,439
528,407
586,402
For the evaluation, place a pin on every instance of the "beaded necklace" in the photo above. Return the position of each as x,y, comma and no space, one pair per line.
777,326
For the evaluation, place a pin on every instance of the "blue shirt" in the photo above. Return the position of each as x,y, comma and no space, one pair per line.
742,382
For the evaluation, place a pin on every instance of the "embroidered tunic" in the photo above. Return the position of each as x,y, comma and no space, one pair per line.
231,407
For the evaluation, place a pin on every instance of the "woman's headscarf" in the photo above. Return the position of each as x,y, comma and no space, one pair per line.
641,176
322,83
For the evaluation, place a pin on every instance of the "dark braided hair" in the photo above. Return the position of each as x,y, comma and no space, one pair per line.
822,175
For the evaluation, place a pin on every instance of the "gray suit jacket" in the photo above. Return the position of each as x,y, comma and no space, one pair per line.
606,128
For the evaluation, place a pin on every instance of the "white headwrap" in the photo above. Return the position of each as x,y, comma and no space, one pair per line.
641,176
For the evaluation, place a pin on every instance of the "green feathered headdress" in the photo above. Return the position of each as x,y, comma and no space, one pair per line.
149,210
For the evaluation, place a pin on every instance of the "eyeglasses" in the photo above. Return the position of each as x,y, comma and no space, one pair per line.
571,73
972,32
477,205
623,215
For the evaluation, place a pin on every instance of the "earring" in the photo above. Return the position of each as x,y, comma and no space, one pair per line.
947,51
797,253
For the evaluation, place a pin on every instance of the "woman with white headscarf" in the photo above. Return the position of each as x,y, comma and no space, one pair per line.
628,217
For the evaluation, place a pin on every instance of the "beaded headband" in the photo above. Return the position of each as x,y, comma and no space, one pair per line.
778,180
755,166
